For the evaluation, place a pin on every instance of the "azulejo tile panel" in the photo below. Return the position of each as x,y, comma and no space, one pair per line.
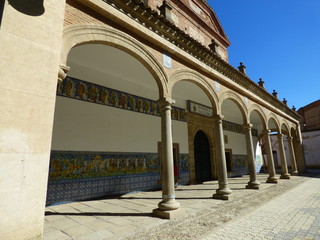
94,93
240,165
63,190
73,164
77,175
237,128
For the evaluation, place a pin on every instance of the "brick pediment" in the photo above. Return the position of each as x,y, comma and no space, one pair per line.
200,13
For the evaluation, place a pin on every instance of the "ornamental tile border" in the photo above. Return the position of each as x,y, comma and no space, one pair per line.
94,93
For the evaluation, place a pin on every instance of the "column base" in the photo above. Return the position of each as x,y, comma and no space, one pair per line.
221,197
169,214
295,173
285,176
222,194
272,180
168,205
253,185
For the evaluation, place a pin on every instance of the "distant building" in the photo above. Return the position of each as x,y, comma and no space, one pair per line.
105,97
310,117
310,127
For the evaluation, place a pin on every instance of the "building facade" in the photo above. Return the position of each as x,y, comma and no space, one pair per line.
310,128
104,97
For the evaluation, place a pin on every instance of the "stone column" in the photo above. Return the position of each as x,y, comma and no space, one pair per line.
271,170
294,170
168,194
298,147
253,183
223,192
284,166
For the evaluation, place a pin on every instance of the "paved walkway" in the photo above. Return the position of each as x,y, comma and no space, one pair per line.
293,215
129,217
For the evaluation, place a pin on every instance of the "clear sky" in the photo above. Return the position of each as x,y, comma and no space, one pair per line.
278,41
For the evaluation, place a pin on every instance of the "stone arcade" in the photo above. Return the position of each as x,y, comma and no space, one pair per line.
98,97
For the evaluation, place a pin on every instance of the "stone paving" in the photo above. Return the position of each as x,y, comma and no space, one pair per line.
129,216
294,215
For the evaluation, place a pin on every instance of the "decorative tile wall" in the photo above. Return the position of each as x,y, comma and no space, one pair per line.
240,165
70,164
237,128
90,92
184,168
77,175
63,190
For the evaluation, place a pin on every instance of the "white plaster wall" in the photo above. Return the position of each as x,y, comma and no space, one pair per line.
29,61
84,126
184,90
311,145
237,142
113,68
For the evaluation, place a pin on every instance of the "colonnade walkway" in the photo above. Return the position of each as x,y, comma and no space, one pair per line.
287,210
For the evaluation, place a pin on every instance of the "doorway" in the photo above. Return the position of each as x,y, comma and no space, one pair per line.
202,157
228,154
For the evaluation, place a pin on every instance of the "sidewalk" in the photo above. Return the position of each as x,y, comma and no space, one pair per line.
129,217
293,215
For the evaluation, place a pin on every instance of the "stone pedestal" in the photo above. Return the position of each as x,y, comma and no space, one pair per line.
169,214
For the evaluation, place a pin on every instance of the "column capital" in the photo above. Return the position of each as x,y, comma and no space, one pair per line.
62,73
218,118
265,131
289,138
280,135
247,127
165,103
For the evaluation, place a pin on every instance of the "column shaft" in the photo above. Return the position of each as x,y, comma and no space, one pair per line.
223,191
301,163
284,166
294,170
271,170
168,194
253,183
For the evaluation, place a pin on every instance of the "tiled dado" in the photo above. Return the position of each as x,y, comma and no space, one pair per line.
90,92
77,175
239,165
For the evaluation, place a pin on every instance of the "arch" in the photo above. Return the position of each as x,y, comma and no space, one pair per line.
293,132
272,116
196,78
88,33
260,112
237,100
284,125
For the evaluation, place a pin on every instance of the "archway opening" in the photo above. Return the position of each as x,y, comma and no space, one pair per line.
202,157
274,127
234,138
258,125
106,127
195,99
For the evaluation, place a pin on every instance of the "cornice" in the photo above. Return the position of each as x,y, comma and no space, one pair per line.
143,14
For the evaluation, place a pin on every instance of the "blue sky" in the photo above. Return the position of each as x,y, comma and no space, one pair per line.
277,40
